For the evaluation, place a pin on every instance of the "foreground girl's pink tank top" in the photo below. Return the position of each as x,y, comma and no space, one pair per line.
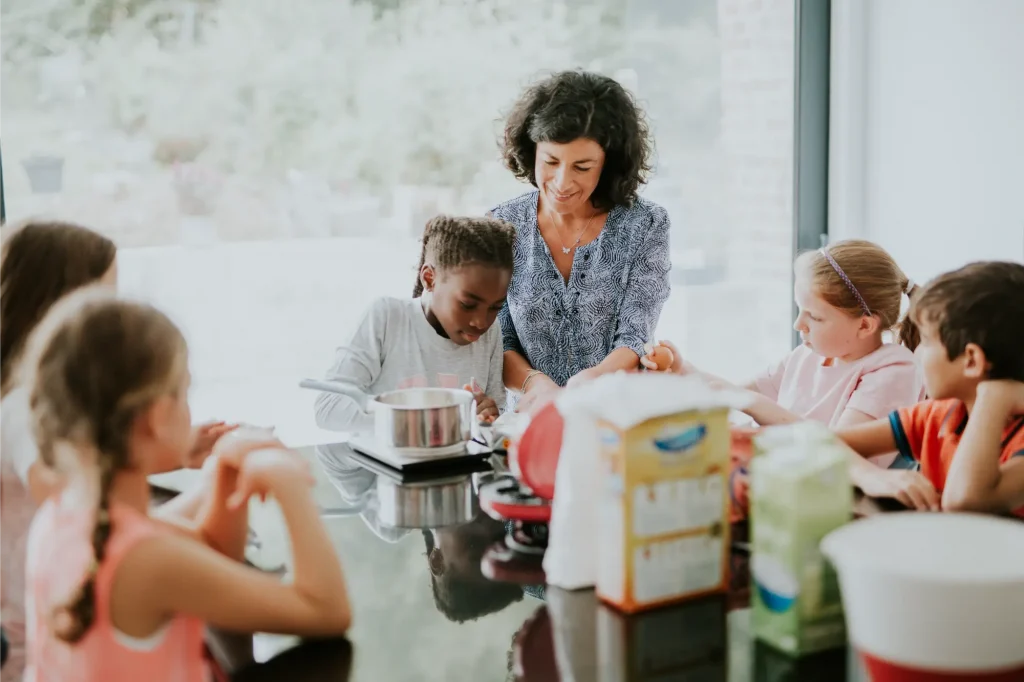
59,554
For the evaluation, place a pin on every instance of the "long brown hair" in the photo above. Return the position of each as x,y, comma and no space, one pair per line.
875,276
40,263
94,364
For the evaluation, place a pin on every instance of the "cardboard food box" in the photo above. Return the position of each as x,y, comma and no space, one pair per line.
664,507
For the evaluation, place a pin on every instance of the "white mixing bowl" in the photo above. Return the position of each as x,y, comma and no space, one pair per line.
933,596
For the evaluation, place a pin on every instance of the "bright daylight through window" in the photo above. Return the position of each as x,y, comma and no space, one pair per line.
266,167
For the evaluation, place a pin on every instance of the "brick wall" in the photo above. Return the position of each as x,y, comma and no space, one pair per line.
728,180
757,81
757,94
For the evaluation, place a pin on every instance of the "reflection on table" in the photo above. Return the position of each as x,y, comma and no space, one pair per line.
429,605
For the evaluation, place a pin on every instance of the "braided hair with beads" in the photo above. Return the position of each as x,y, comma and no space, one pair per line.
452,242
95,364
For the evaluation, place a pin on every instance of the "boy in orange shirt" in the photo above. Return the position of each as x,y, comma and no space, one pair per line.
965,445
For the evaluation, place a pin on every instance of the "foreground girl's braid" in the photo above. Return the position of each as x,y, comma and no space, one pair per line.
95,364
453,242
73,620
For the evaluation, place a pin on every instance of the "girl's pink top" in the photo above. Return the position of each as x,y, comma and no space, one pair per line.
59,555
876,384
18,453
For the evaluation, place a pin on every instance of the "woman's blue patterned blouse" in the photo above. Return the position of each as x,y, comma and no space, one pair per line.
613,299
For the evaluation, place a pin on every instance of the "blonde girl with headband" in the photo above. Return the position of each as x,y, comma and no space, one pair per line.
845,372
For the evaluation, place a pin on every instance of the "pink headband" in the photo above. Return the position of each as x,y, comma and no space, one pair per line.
846,280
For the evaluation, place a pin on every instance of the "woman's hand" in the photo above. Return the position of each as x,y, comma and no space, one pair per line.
583,377
539,392
677,365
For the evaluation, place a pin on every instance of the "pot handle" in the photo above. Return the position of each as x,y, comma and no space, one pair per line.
339,387
342,512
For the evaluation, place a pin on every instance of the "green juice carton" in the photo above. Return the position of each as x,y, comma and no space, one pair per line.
800,491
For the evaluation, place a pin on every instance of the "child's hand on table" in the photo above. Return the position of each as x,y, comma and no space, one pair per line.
909,488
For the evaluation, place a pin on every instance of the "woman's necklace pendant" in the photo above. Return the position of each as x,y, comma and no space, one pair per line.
566,250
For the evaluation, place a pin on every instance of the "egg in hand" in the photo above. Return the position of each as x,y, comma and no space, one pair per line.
661,356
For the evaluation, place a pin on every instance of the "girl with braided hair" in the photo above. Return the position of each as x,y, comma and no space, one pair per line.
113,593
444,336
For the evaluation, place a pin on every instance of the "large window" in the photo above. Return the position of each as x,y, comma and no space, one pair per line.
267,166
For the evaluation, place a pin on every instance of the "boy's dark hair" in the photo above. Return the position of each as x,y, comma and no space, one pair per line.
468,597
41,262
450,242
578,104
981,303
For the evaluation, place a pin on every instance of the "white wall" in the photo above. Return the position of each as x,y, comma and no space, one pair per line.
927,135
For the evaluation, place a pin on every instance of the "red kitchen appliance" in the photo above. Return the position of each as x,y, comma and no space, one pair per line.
524,498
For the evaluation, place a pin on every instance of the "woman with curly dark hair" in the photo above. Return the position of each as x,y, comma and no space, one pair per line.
591,256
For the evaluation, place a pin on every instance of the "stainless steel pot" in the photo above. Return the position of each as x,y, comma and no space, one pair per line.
448,502
412,418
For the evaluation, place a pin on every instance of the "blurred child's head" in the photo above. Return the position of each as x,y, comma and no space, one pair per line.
42,262
466,265
848,294
461,592
970,321
109,382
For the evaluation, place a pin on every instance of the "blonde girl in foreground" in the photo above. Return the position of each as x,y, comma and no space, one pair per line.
114,594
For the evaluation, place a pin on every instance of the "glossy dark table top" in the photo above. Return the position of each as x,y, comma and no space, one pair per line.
424,611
